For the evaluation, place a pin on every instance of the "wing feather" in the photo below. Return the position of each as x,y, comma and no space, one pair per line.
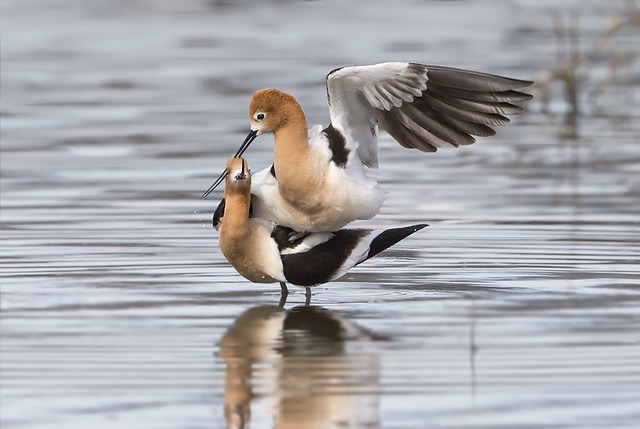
464,127
420,106
467,115
404,135
478,95
439,127
472,80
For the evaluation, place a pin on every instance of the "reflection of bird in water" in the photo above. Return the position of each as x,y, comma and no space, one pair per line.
321,183
266,253
296,368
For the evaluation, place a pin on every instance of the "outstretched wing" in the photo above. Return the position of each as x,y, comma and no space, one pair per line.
422,107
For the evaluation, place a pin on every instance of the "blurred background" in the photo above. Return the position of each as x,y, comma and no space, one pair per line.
518,307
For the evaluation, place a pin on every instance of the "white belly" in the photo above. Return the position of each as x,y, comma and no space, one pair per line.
341,200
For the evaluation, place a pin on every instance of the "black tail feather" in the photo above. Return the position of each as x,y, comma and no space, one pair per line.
390,237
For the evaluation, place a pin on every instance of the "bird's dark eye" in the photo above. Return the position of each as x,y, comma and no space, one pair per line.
260,116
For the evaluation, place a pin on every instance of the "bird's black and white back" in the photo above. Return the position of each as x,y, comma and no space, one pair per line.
320,257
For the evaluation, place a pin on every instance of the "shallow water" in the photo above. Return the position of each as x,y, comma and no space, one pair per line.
519,306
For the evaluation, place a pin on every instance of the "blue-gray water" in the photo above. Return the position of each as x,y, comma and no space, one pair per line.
519,306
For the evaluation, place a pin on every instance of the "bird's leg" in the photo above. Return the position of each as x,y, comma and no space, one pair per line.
283,289
307,296
284,292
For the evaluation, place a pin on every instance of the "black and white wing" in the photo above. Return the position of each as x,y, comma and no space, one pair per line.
422,107
318,257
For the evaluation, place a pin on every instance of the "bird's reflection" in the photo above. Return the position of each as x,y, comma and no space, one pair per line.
306,367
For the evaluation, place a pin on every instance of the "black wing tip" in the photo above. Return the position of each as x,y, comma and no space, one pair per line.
408,230
474,80
516,83
391,236
523,96
524,83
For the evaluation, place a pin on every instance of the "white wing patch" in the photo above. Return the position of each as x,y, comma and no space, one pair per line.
355,92
386,94
308,243
384,85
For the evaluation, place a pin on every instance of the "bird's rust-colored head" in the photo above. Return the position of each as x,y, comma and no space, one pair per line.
238,180
271,108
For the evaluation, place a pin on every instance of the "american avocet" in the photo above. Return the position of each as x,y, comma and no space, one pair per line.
321,184
267,253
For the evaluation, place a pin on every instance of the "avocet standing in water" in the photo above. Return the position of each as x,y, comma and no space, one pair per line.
317,181
266,253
